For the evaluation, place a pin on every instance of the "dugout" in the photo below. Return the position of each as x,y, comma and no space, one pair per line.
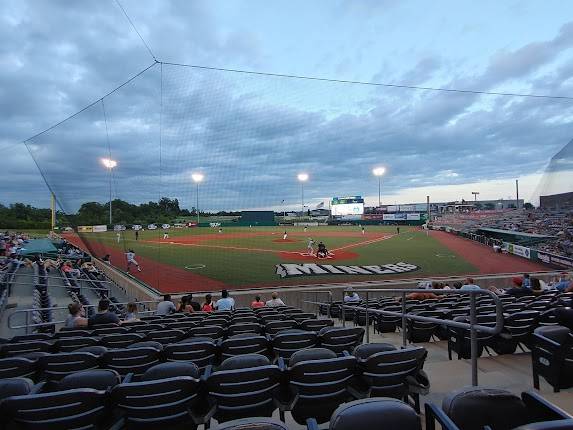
517,237
257,218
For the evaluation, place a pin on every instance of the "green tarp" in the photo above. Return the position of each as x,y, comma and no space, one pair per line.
38,246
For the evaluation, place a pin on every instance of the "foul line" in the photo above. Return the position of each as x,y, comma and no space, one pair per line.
275,251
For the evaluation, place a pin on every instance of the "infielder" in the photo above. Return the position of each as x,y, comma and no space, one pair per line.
310,246
285,235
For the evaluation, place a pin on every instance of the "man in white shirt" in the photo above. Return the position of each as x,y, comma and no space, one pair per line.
275,301
165,307
469,285
351,296
225,303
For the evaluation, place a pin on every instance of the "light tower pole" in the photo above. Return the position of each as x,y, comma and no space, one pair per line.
379,172
197,178
109,164
302,177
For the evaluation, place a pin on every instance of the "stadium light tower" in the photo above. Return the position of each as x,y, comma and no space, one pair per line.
379,171
475,193
109,164
302,177
197,178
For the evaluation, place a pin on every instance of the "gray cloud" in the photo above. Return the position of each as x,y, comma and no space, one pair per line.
250,135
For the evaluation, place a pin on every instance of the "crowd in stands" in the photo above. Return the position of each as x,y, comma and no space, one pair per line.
557,223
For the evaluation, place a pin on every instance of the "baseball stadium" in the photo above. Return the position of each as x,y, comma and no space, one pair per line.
241,245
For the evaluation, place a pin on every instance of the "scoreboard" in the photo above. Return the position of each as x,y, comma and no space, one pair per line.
353,205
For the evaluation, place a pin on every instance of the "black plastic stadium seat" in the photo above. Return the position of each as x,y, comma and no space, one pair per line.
274,327
97,379
94,349
244,386
15,367
287,342
15,387
131,360
317,376
70,409
247,343
171,370
147,344
389,414
472,408
549,425
386,371
214,332
552,356
315,324
162,403
69,344
261,423
244,327
121,340
21,348
517,330
166,336
29,337
55,366
200,351
340,339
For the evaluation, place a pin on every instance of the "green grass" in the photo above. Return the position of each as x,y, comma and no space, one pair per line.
241,267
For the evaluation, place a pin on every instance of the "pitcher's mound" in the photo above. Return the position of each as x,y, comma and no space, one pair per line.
303,256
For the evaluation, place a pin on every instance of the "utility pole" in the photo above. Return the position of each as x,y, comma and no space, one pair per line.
517,193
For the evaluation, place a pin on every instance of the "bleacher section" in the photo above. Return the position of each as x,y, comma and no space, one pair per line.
184,370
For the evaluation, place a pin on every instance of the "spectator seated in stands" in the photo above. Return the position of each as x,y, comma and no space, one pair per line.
89,266
225,303
106,259
351,296
194,305
469,284
103,315
564,284
422,295
257,303
535,286
76,317
275,301
208,305
517,288
184,305
165,307
131,314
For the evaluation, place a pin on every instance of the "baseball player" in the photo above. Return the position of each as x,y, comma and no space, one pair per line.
130,255
285,235
310,246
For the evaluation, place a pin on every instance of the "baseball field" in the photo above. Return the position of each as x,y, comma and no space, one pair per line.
207,259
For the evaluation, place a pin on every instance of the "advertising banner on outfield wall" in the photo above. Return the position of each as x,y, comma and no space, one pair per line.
85,228
519,250
99,228
413,217
555,260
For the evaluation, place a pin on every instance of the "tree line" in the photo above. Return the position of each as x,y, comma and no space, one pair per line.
166,210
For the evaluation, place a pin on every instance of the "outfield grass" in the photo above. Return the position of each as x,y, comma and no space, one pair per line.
240,267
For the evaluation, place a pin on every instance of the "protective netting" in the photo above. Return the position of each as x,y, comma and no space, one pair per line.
249,135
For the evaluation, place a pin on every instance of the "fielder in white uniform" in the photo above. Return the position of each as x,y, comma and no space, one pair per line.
285,235
130,255
310,246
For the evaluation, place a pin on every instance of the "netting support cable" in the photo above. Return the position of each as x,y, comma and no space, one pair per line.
93,103
375,84
135,29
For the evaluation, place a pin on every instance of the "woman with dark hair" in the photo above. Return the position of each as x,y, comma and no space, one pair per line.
182,304
535,286
75,318
208,305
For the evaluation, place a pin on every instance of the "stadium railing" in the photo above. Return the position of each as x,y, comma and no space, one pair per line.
28,314
472,326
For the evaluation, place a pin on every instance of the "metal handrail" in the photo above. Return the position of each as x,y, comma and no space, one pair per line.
316,292
29,311
472,325
62,277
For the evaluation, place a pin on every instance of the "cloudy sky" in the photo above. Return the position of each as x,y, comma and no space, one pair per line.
250,134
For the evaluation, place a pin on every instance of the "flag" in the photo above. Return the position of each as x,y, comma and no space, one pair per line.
320,205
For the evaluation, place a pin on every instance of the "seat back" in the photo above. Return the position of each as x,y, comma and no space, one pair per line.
121,340
322,378
340,339
386,372
55,366
20,348
70,409
69,344
273,327
213,331
130,360
361,414
15,367
314,324
241,393
286,343
240,328
161,402
521,324
244,344
202,352
166,336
